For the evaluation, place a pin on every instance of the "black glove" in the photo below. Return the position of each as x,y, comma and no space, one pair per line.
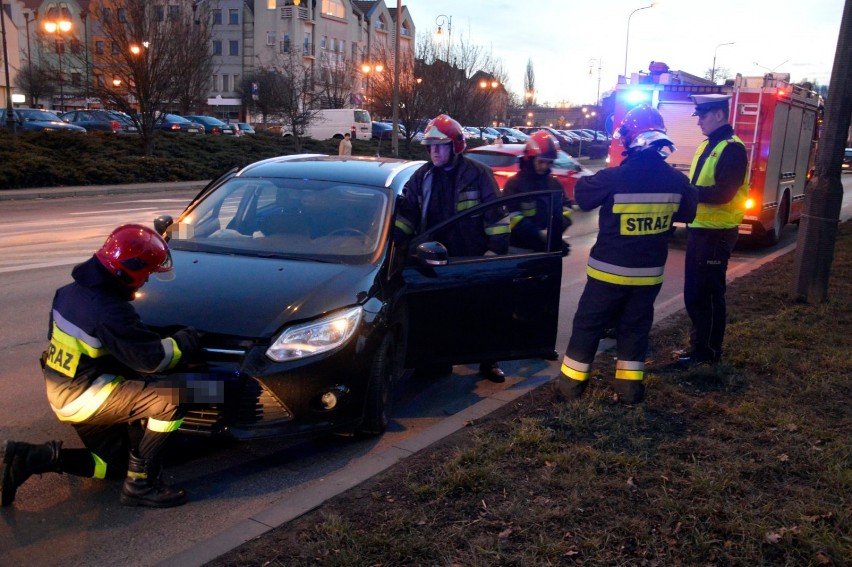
566,248
188,341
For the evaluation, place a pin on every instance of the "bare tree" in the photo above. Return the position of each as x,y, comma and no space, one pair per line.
151,62
336,80
292,82
529,84
35,81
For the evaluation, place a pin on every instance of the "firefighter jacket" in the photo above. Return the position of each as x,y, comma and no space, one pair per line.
433,195
96,341
534,210
640,200
719,170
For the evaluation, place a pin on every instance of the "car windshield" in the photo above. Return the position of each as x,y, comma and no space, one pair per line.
38,115
287,218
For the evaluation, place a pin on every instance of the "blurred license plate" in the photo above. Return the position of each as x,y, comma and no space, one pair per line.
192,130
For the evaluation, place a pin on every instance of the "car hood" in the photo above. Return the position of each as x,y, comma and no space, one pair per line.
247,296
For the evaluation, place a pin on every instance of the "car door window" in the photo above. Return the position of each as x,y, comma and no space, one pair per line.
533,221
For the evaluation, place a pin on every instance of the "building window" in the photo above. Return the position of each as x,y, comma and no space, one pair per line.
115,47
122,15
234,17
225,83
333,8
236,81
380,24
99,79
217,47
159,13
323,42
217,17
270,38
215,83
99,47
107,14
306,46
174,12
234,47
285,45
341,46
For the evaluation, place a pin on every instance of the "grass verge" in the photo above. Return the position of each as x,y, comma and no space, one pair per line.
747,463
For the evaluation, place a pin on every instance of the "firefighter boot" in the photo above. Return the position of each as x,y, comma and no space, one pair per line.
568,389
629,391
21,460
143,486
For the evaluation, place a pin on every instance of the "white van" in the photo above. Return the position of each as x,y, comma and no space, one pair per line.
335,122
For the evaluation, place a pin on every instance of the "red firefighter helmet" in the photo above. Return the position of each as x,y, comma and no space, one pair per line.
133,252
443,130
541,145
642,126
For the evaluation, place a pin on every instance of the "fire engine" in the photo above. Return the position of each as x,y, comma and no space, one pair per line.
778,122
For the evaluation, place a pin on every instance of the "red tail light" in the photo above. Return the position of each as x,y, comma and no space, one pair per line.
115,125
216,130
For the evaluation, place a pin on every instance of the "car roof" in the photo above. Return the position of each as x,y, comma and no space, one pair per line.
508,149
363,170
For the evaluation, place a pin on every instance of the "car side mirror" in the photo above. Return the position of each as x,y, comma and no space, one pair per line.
431,254
162,223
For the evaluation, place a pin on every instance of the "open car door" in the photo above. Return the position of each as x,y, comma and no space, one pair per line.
468,309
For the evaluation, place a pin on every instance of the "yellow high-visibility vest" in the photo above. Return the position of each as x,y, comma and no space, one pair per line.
727,215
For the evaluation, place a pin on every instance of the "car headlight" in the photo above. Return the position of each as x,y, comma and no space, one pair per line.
309,339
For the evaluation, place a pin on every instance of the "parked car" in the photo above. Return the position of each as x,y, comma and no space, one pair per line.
477,133
847,161
212,125
175,123
504,161
517,134
382,131
96,120
402,130
565,142
37,120
308,314
244,127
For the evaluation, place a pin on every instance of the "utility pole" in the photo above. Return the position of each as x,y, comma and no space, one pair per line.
824,195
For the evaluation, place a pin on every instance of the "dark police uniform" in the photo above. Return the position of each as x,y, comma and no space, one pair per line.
719,171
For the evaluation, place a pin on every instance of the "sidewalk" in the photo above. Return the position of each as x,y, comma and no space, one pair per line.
92,190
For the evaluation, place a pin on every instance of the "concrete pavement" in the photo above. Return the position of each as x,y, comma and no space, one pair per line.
92,190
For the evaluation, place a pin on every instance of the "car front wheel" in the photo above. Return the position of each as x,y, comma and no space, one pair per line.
384,376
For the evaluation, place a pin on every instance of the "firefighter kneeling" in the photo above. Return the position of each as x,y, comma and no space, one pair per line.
100,373
639,202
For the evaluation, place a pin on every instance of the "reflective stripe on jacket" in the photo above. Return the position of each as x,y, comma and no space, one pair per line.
727,215
640,200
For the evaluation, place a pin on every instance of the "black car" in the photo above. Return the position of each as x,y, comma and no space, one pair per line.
101,121
382,131
309,311
175,123
212,125
37,120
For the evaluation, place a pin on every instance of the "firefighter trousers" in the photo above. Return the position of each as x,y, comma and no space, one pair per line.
707,254
603,305
136,416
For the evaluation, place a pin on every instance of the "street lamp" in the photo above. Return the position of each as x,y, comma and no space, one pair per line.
591,64
713,69
369,70
448,21
10,116
59,27
627,39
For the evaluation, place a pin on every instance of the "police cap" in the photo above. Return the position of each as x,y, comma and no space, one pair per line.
707,102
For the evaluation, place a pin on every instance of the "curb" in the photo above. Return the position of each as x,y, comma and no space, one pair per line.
94,190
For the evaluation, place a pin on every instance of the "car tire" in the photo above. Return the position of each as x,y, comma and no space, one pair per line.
384,376
773,235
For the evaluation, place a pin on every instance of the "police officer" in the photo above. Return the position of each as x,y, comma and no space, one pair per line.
529,221
446,186
719,171
639,201
98,373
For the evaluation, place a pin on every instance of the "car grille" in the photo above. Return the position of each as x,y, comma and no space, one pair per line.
250,405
